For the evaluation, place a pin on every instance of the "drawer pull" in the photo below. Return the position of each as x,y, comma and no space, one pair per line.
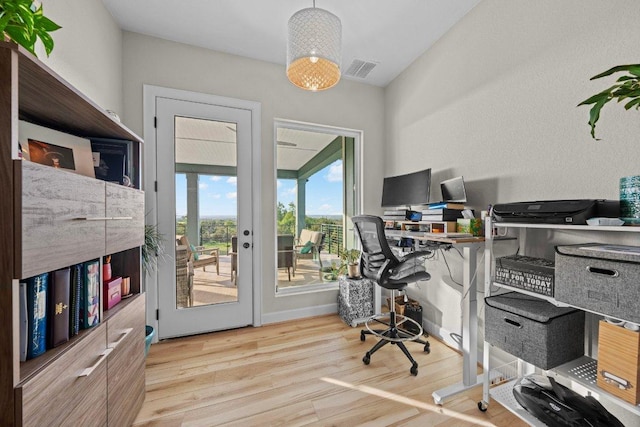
102,358
513,322
124,335
603,271
609,378
105,218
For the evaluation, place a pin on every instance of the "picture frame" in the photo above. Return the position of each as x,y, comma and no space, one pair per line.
112,160
56,149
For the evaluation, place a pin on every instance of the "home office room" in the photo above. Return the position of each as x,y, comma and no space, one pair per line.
273,182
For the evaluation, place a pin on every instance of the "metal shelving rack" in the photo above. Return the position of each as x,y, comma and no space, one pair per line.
581,371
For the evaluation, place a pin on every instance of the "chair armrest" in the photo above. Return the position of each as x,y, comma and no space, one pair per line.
415,254
384,271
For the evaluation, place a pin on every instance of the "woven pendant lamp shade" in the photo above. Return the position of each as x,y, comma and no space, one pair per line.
314,49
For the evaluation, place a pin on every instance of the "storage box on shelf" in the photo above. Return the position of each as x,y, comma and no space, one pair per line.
600,278
582,370
534,330
51,219
619,361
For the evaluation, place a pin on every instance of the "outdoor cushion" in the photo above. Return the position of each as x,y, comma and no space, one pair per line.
307,247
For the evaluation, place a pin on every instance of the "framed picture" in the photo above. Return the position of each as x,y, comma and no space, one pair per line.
112,160
56,149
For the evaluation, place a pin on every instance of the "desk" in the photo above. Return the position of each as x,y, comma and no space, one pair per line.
469,246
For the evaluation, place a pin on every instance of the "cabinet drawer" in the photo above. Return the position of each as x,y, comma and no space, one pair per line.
126,208
60,395
126,363
52,203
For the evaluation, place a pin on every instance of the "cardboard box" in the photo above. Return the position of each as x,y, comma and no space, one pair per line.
112,292
473,226
619,362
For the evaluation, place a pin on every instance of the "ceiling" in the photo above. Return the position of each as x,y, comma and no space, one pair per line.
210,142
388,33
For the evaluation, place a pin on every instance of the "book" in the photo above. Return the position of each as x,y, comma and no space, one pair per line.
90,306
58,316
447,205
443,216
442,211
24,322
37,314
74,299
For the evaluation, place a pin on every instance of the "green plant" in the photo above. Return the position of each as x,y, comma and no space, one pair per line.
153,247
23,22
627,87
350,256
332,272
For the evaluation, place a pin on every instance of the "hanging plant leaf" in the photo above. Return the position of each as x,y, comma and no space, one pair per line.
24,22
627,89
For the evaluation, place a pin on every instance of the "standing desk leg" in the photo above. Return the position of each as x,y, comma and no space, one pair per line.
470,378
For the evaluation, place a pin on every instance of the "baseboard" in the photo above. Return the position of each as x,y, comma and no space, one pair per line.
299,313
442,334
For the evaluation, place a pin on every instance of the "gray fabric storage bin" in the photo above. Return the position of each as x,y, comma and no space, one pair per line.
534,330
600,278
355,300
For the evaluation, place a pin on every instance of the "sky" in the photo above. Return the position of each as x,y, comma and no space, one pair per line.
218,194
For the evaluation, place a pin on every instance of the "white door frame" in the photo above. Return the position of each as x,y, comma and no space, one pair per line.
150,93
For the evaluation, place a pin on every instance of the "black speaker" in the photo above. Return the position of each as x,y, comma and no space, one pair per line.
413,312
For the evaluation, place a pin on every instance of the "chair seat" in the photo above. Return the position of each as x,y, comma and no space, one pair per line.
402,283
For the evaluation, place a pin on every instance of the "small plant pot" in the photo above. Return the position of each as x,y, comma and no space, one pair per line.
353,270
150,332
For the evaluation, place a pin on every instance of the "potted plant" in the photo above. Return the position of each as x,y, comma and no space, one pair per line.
627,88
351,259
331,273
23,22
153,247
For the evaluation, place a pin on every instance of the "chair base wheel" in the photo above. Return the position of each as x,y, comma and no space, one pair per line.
362,336
366,359
427,348
482,406
414,369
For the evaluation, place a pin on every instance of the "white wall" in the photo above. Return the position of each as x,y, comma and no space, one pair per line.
153,61
495,100
87,51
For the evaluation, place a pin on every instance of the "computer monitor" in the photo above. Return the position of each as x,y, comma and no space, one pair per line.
406,190
453,190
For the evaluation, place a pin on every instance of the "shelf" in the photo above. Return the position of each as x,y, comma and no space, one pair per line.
584,371
532,294
47,99
33,366
626,229
503,394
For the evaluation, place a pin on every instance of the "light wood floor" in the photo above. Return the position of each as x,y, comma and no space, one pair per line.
304,373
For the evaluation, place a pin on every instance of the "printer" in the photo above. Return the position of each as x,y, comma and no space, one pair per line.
574,212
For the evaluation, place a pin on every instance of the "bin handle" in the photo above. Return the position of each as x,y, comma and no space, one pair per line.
603,271
512,322
609,378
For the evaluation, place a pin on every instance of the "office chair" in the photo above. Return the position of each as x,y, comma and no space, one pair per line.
379,263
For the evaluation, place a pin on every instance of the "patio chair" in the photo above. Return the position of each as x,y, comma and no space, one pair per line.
285,253
201,256
308,246
184,277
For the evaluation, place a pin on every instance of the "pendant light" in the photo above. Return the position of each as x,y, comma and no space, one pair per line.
314,49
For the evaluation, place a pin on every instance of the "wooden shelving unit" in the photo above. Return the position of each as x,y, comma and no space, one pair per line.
113,390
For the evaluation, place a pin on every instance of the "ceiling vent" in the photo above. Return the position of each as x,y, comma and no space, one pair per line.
360,69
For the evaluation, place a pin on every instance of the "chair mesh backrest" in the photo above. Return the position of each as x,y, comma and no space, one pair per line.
375,249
